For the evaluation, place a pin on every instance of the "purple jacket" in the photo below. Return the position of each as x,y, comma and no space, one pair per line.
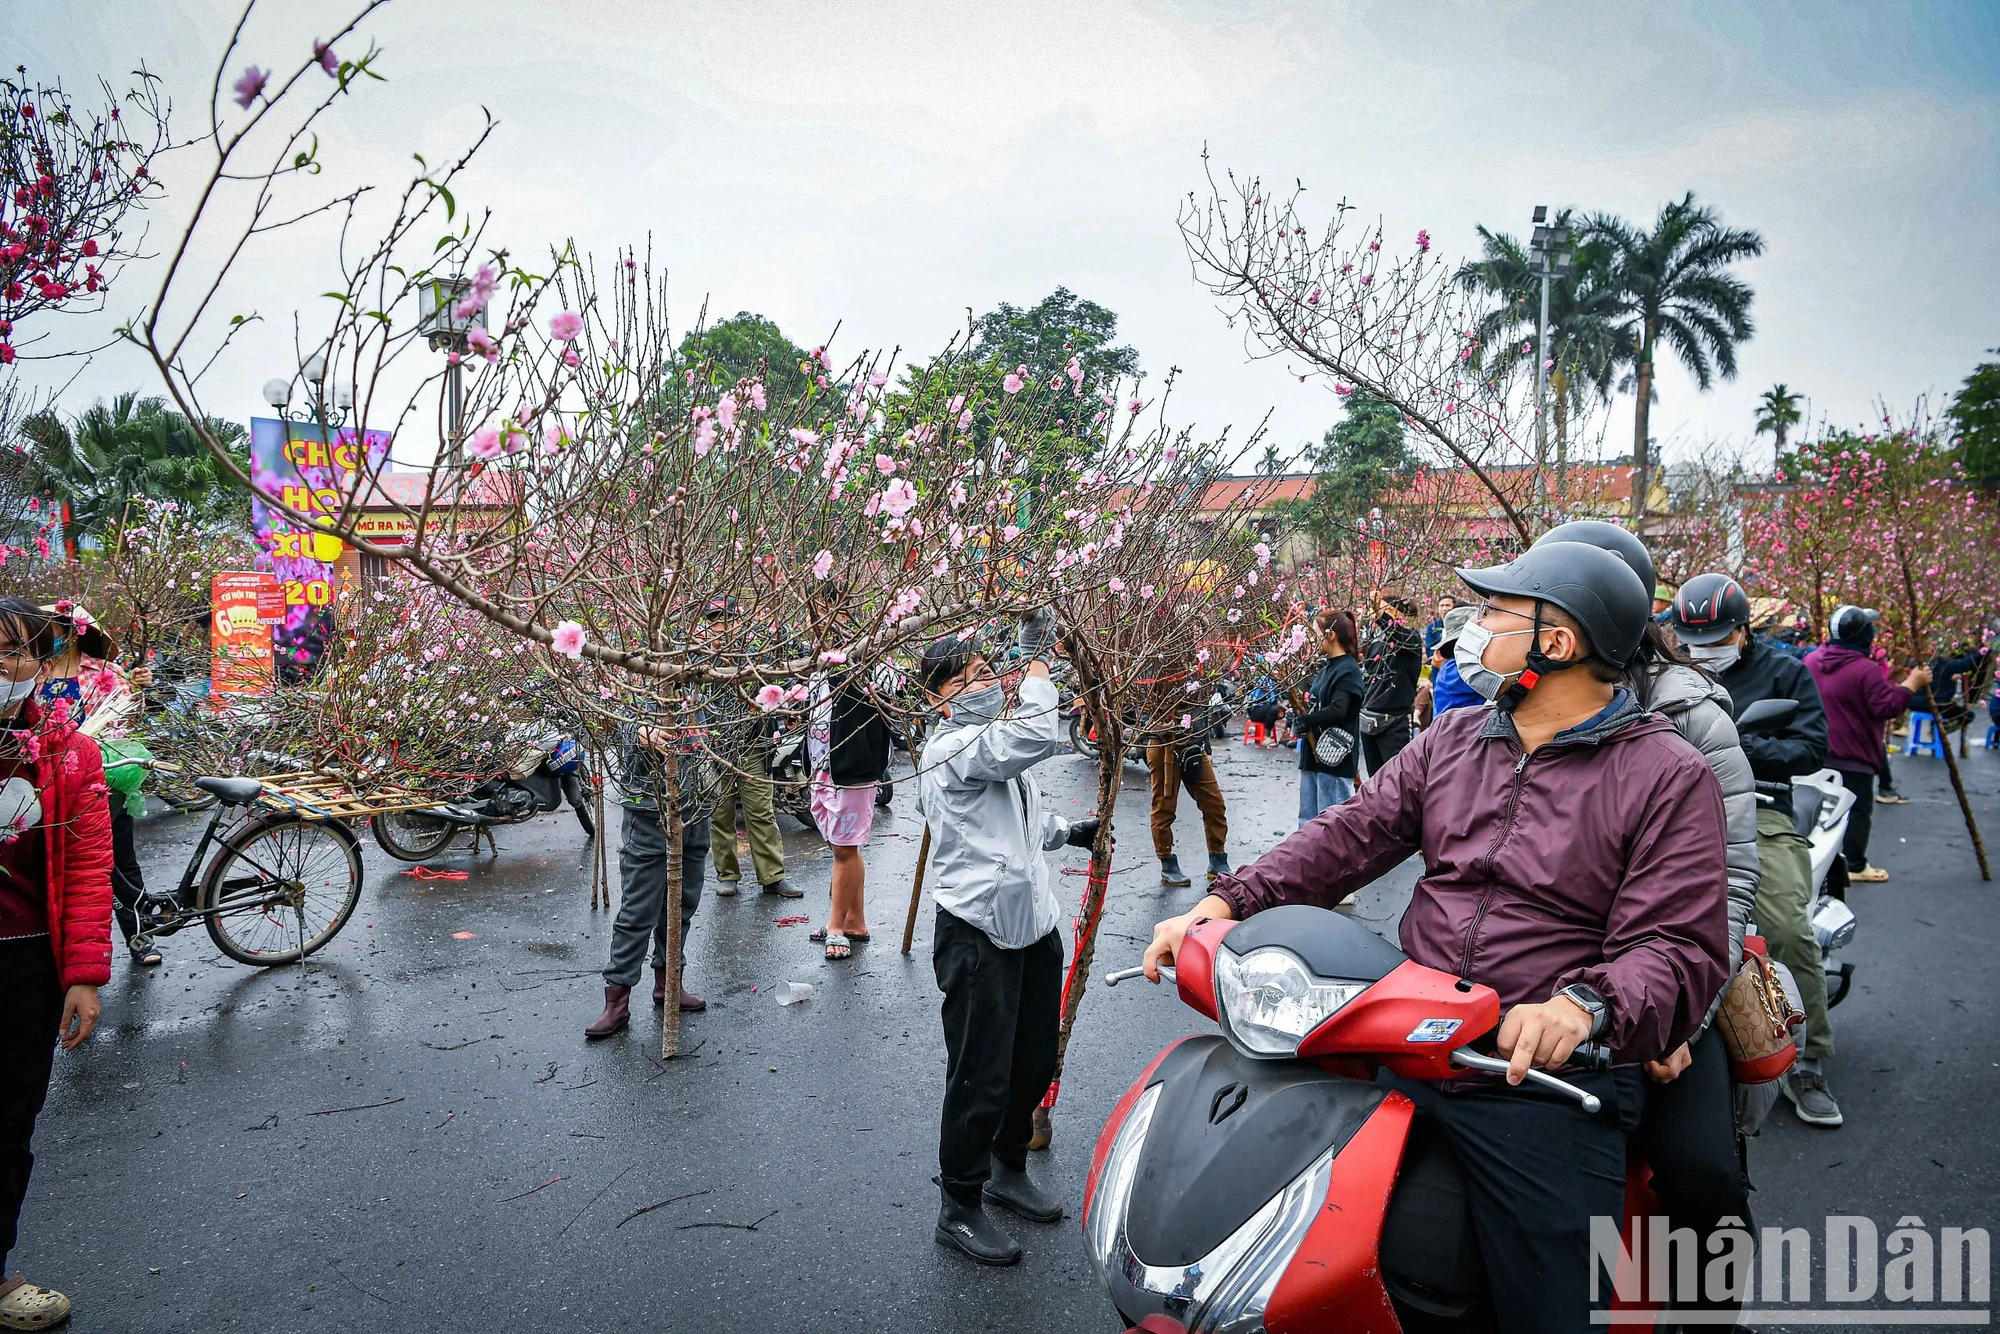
1859,698
1598,859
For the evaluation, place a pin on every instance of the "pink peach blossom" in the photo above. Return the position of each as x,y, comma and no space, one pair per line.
567,639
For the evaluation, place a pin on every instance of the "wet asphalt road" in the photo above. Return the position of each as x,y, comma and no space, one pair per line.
198,1167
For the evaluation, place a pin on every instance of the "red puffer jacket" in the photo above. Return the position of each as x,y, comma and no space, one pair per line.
76,826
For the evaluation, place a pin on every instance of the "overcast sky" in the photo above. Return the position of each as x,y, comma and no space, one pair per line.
886,165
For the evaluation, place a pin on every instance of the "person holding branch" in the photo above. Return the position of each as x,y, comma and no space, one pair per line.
996,948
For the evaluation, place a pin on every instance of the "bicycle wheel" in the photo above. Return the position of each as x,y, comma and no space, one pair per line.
281,887
412,836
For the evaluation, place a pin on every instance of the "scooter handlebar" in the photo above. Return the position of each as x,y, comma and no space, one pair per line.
1113,978
1472,1060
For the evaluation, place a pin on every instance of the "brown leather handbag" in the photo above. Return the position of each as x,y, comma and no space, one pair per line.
1756,1022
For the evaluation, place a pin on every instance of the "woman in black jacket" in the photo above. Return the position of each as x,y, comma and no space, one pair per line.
1332,704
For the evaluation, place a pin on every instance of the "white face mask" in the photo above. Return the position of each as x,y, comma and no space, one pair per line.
1717,658
1471,654
13,692
979,705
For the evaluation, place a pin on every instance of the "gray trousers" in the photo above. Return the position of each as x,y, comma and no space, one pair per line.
642,892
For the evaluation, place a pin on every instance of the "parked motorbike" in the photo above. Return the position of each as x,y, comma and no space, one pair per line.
1262,1180
1820,807
547,774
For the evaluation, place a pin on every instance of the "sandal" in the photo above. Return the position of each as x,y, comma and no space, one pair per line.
853,937
144,952
837,946
26,1306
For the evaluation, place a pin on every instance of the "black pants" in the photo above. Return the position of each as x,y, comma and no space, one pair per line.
1687,1134
1001,1011
128,882
1385,745
1536,1171
30,1008
1859,819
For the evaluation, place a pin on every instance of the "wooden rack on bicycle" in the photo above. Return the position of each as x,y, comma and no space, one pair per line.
316,794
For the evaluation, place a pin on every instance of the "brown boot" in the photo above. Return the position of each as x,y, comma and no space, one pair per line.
617,1013
691,1002
660,988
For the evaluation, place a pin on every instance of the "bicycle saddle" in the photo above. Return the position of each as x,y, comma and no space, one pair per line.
232,791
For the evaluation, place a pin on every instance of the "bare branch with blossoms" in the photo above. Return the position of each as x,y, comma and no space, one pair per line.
1331,299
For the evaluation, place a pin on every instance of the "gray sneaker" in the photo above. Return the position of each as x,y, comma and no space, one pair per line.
783,889
1811,1098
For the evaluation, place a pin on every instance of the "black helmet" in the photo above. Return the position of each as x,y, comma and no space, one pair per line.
1620,542
1708,609
1597,589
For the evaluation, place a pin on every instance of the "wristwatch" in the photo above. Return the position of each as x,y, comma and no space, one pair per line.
1591,1002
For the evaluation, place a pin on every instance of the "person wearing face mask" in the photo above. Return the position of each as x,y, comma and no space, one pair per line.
55,918
996,948
1711,617
1573,860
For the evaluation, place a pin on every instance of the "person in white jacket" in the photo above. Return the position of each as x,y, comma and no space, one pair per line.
996,949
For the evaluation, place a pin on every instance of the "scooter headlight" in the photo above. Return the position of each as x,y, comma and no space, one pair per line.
1104,1228
1270,1000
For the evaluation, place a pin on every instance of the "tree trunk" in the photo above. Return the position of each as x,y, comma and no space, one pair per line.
1559,387
1641,415
1957,786
667,792
1110,774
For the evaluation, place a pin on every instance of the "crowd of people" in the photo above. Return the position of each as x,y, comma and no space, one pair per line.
1571,730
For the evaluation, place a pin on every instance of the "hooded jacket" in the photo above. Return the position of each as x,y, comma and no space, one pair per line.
1799,747
1700,711
1859,698
988,829
1597,859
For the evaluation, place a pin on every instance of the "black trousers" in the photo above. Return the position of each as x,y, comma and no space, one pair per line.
1860,819
30,1008
1385,745
1536,1170
1687,1134
1001,1011
128,882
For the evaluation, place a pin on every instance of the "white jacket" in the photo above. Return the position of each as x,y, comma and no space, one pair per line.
988,829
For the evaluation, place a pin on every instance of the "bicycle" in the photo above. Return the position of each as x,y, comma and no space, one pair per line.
280,886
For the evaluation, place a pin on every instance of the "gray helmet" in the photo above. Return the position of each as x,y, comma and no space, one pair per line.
1598,590
1620,542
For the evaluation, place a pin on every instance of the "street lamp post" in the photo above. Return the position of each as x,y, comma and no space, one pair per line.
278,393
1551,251
447,330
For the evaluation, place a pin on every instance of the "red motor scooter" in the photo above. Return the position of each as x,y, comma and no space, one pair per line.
1262,1181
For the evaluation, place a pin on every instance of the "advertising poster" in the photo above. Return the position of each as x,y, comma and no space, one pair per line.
240,604
309,469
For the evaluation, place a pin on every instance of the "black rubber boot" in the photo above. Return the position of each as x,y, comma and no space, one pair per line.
1016,1194
967,1228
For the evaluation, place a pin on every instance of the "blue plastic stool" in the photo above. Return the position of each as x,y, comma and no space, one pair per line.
1917,745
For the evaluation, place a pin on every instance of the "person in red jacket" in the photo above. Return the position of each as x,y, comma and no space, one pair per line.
55,917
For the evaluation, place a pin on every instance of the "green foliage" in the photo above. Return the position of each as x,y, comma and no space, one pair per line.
129,450
1045,337
1360,460
1674,285
1777,413
742,344
1975,416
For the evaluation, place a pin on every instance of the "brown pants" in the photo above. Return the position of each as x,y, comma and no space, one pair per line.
1163,765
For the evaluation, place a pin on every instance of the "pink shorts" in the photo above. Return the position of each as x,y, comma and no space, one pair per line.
844,814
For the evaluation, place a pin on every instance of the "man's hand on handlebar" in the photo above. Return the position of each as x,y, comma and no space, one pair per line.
1530,1035
1167,936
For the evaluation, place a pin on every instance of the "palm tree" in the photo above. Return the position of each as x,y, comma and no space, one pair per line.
1777,412
1584,307
1272,463
125,450
1673,284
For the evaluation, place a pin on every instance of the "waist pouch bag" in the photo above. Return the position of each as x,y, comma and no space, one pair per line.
1756,1022
1373,723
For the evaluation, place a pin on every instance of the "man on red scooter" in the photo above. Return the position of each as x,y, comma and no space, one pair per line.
1573,851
